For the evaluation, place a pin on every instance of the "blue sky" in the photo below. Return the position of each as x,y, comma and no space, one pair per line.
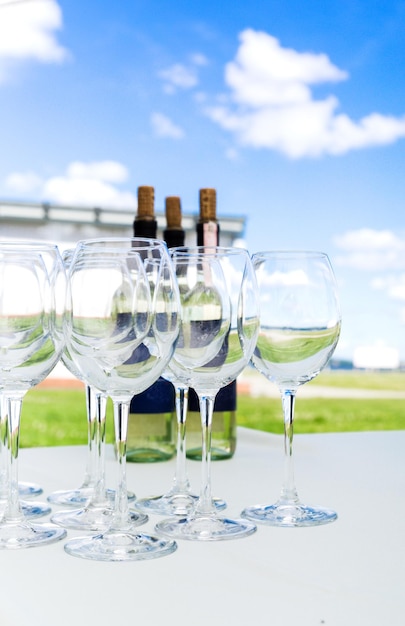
294,111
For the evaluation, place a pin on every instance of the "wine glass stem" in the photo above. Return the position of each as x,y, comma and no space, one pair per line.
121,509
13,509
89,478
3,447
289,493
205,505
181,483
98,497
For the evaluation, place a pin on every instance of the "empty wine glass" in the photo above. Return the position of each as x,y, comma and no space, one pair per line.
179,500
80,495
92,495
219,325
121,337
32,308
299,330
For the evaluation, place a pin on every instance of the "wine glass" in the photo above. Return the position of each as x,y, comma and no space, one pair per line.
91,494
98,509
80,495
121,337
219,326
299,330
31,340
179,500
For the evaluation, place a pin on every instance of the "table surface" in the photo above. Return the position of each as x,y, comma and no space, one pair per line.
348,573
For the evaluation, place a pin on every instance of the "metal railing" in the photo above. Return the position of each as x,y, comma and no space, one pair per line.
67,221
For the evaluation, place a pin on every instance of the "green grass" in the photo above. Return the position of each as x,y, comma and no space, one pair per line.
359,379
58,416
55,417
323,415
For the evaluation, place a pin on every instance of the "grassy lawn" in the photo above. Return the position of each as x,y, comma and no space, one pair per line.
358,379
57,416
323,415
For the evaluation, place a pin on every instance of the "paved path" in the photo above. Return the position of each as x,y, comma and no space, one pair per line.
256,385
251,383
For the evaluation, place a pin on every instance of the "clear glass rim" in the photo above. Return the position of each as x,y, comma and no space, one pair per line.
104,242
28,244
262,254
205,251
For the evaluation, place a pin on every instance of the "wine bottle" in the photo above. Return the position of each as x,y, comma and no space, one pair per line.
224,417
152,413
173,234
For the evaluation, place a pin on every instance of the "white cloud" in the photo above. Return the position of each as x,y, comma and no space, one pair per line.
164,127
199,59
270,103
232,154
295,277
83,184
264,73
182,76
373,250
86,192
369,239
109,171
379,356
178,76
393,285
28,31
23,182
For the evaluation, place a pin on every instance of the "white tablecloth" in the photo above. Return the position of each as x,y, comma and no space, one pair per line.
348,573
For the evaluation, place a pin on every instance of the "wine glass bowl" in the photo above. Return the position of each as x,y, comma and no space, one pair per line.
300,325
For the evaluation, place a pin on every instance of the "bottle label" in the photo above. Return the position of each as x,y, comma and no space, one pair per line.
225,400
158,398
141,428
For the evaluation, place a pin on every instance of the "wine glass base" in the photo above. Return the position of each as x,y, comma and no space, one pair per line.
205,528
94,518
15,535
29,490
174,504
79,497
289,515
120,546
31,510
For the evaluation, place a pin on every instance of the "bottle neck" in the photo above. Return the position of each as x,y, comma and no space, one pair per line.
145,228
174,237
207,233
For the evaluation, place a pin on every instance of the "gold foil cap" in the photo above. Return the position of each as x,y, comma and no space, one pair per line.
146,203
208,205
173,212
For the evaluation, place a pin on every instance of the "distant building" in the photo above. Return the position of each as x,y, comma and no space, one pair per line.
67,224
376,357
